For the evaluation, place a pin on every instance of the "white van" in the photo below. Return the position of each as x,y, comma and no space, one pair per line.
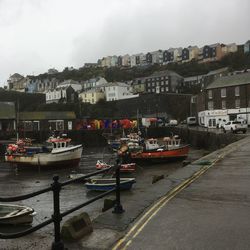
191,120
173,123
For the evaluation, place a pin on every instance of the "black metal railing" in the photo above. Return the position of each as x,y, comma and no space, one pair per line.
57,214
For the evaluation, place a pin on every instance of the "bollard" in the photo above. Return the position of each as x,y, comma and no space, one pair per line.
56,186
117,207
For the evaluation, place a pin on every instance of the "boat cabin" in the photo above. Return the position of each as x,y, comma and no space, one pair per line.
172,142
59,142
152,144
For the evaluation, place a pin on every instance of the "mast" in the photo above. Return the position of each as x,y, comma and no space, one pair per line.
17,120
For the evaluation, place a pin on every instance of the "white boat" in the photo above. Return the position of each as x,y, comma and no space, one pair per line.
58,152
15,214
76,175
109,184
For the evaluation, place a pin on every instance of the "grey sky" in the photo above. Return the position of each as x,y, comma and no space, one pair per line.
39,34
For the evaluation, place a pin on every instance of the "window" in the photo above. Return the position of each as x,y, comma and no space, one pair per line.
56,124
237,103
210,105
223,104
237,91
223,92
210,94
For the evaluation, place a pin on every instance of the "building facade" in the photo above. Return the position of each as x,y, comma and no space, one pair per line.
247,47
92,96
159,82
62,94
118,91
228,94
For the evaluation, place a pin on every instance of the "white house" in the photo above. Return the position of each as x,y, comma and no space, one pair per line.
63,94
118,91
126,60
74,84
229,48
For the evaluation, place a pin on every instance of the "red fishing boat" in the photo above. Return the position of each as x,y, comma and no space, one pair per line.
170,149
128,167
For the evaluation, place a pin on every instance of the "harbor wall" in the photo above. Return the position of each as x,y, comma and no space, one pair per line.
197,137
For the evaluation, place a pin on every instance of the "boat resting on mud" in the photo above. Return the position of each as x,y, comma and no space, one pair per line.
15,214
109,184
59,152
170,149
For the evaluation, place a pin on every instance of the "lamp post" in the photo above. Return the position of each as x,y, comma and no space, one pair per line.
246,104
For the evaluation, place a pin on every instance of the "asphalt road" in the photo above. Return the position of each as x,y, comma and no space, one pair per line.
210,213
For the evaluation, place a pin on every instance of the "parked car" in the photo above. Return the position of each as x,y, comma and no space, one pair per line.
172,123
221,123
191,120
235,126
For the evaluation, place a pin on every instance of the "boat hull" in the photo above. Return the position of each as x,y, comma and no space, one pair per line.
14,214
102,185
164,155
70,157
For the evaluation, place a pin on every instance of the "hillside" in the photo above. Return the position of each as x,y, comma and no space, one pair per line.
234,61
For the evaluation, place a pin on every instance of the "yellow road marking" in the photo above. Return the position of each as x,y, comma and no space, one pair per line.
162,201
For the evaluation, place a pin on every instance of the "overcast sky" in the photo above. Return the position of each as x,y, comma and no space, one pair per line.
36,35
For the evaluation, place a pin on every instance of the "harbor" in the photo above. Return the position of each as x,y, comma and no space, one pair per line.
29,180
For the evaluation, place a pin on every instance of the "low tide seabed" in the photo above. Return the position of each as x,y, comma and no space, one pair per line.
14,182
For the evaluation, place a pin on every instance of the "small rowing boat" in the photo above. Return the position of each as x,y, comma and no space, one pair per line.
109,184
15,214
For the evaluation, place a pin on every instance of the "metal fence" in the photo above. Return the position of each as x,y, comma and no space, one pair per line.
57,215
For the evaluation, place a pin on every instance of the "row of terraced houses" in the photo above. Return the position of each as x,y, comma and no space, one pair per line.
207,53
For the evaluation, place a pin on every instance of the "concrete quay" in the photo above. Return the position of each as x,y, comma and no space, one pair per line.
204,205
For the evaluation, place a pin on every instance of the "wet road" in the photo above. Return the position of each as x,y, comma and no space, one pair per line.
15,182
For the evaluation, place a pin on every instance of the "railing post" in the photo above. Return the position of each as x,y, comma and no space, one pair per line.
57,244
118,207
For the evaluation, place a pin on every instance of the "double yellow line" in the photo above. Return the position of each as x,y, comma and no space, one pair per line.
143,221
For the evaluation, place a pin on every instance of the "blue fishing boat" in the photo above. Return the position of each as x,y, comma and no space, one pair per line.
108,184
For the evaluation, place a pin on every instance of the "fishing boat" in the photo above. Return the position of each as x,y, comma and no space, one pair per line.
15,214
109,184
170,149
126,167
57,152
